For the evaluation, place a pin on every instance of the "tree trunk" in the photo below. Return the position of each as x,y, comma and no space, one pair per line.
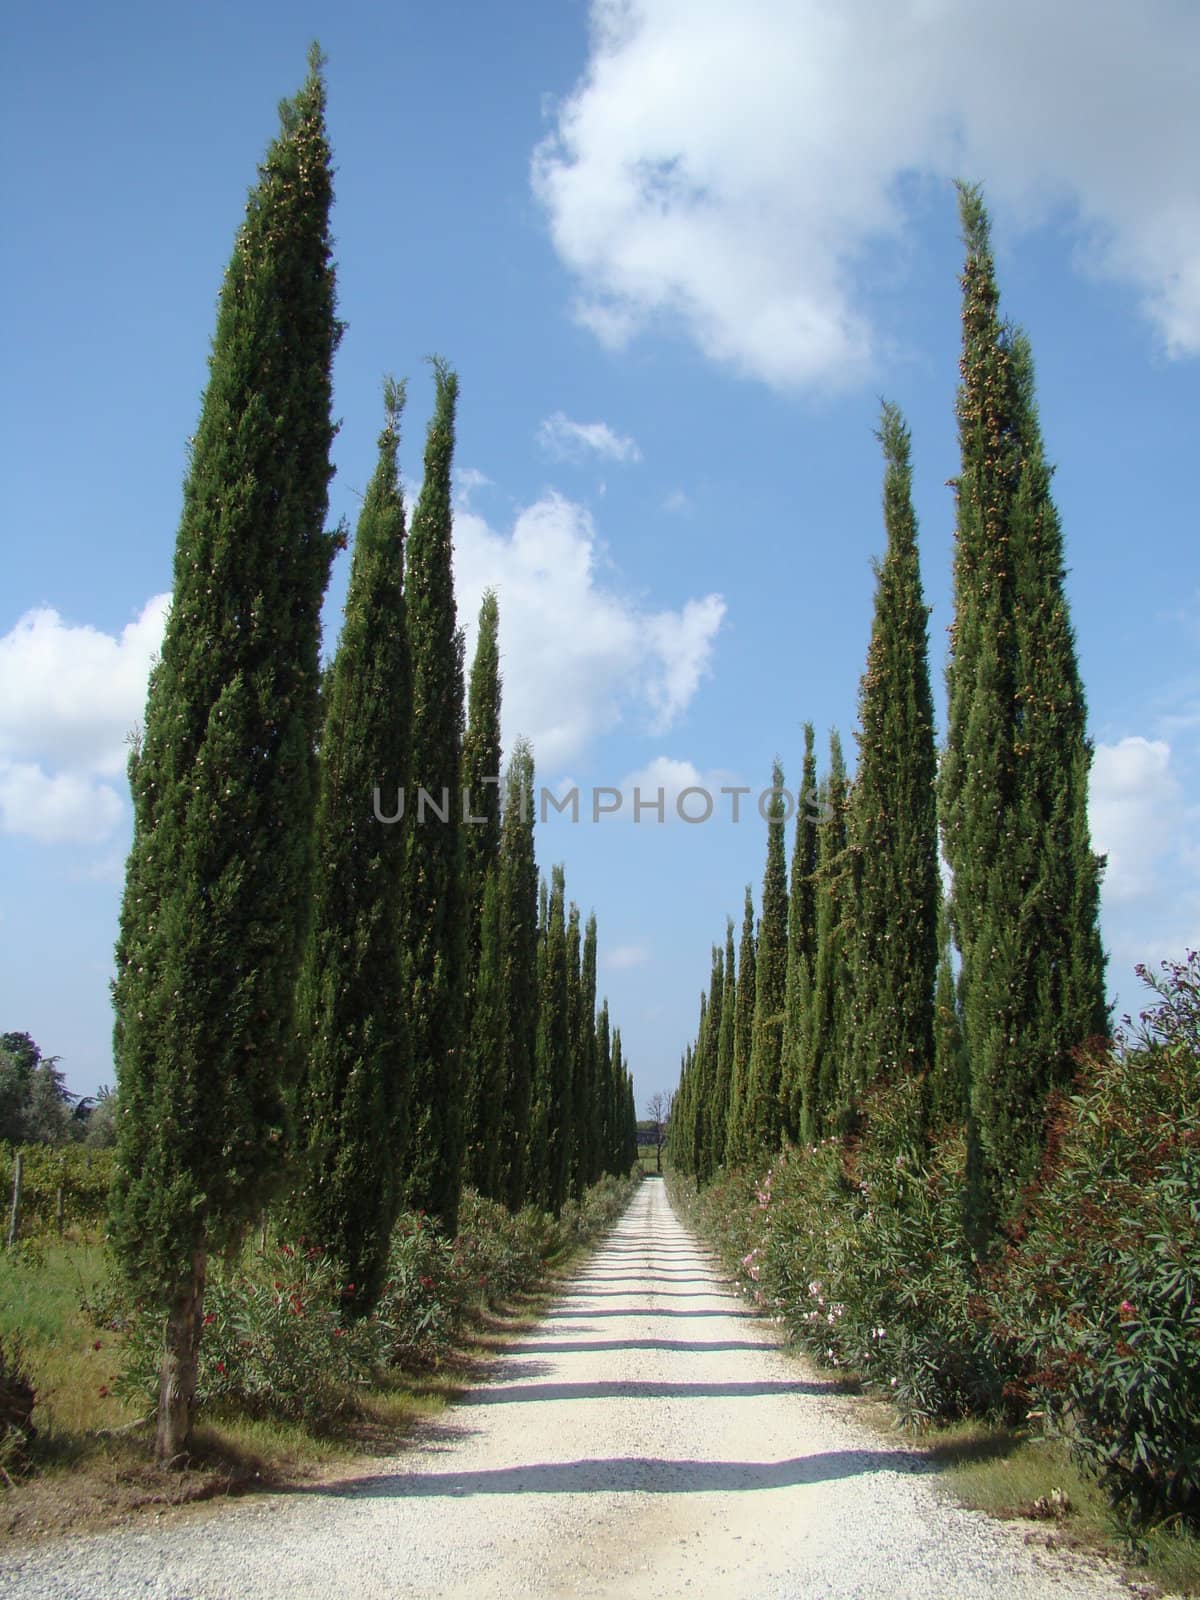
177,1378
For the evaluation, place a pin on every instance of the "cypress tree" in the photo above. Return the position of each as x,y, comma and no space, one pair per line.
948,1086
831,990
737,1145
709,1155
579,1107
617,1113
1014,775
436,903
354,1096
553,1082
802,943
893,819
518,908
696,1105
217,895
629,1157
719,1116
604,1088
585,1062
481,770
763,1117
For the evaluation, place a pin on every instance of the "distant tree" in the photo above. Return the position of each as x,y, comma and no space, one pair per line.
437,922
587,1154
658,1109
218,883
35,1104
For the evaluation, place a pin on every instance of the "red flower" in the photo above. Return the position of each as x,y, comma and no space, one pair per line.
1128,1310
349,1288
97,1345
209,1316
221,1367
103,1391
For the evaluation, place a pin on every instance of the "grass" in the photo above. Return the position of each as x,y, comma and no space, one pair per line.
90,1464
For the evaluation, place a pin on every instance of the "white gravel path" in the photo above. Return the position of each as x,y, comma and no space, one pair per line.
646,1439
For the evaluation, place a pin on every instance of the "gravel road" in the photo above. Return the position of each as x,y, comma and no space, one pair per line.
645,1439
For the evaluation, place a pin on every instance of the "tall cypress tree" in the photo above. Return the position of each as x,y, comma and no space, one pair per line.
585,1062
719,1114
697,1109
763,1115
217,894
553,1084
481,770
354,1095
737,1145
618,1131
518,908
948,1088
437,954
893,819
604,1089
831,990
802,943
578,1098
1014,775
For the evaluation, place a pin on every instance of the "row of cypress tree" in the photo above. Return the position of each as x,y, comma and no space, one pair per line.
850,979
314,1005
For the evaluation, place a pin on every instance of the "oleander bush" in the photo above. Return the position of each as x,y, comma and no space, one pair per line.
1088,1323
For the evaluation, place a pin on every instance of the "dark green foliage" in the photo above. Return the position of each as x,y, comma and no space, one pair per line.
552,1083
829,1012
723,1083
437,922
802,945
604,1085
353,1100
580,1109
481,771
737,1144
1013,791
519,968
481,864
35,1105
948,1083
484,1111
893,817
216,906
589,1165
762,1116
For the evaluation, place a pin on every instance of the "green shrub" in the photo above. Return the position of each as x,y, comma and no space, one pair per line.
1101,1295
274,1341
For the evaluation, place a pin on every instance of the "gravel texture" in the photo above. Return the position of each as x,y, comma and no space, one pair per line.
646,1438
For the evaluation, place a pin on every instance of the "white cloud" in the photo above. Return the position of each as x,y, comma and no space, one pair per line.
69,696
573,441
576,656
732,169
1151,894
624,956
1135,809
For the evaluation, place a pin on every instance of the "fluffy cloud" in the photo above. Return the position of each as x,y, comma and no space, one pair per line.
1135,809
573,441
1140,819
576,656
734,169
69,696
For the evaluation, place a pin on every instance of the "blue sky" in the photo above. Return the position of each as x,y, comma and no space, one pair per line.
677,254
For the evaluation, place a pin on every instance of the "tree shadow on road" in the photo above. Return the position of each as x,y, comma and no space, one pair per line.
637,1475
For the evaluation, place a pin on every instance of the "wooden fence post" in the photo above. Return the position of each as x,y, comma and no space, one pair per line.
14,1219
